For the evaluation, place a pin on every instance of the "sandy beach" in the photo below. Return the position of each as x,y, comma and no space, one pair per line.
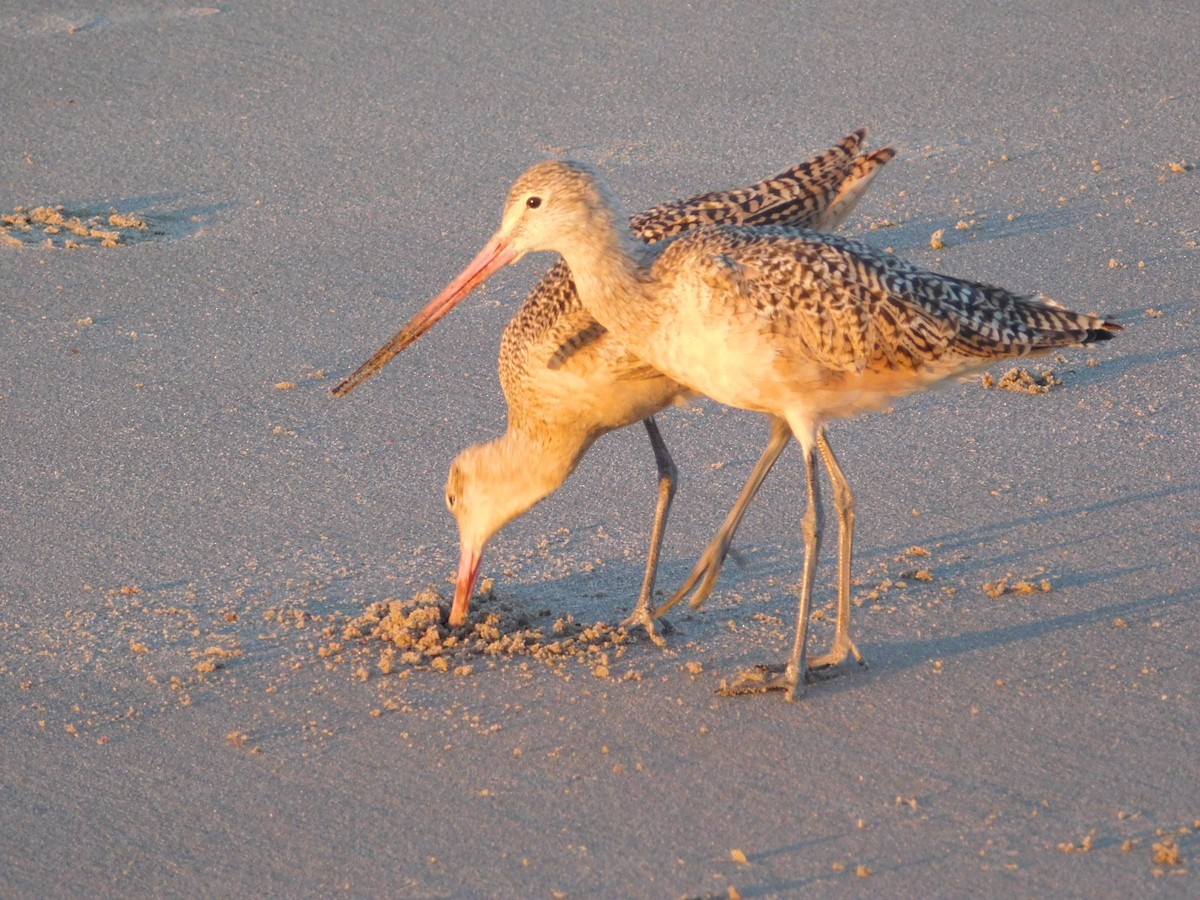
213,213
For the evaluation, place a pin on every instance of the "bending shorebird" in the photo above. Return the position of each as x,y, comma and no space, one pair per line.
802,326
567,381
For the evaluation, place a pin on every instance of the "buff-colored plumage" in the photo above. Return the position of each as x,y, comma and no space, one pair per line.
806,327
567,381
553,335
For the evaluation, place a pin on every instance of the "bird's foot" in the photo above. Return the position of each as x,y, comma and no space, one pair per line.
832,664
764,678
643,616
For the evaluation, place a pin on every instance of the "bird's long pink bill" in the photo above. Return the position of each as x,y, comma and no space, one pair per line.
497,254
464,588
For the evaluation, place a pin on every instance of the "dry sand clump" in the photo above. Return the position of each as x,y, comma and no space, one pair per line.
1022,381
64,229
1010,585
414,633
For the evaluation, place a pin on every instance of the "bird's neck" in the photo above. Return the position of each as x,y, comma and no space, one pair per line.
529,463
610,270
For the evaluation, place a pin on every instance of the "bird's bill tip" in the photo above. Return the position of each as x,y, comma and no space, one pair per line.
464,588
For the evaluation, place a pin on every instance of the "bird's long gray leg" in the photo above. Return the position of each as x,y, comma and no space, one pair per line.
708,568
794,676
643,613
843,501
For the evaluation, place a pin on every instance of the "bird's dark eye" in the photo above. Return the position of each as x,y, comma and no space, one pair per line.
533,202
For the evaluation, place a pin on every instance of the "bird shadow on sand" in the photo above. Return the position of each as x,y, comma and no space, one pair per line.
961,539
900,655
955,561
912,236
1084,375
782,559
832,880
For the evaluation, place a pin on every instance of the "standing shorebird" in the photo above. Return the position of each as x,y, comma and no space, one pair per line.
567,381
802,326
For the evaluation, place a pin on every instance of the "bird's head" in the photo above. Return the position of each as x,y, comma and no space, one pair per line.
556,202
551,206
489,486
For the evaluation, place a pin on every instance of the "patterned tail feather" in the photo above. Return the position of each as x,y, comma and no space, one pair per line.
797,196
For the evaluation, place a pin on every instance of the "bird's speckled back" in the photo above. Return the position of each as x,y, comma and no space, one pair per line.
552,330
